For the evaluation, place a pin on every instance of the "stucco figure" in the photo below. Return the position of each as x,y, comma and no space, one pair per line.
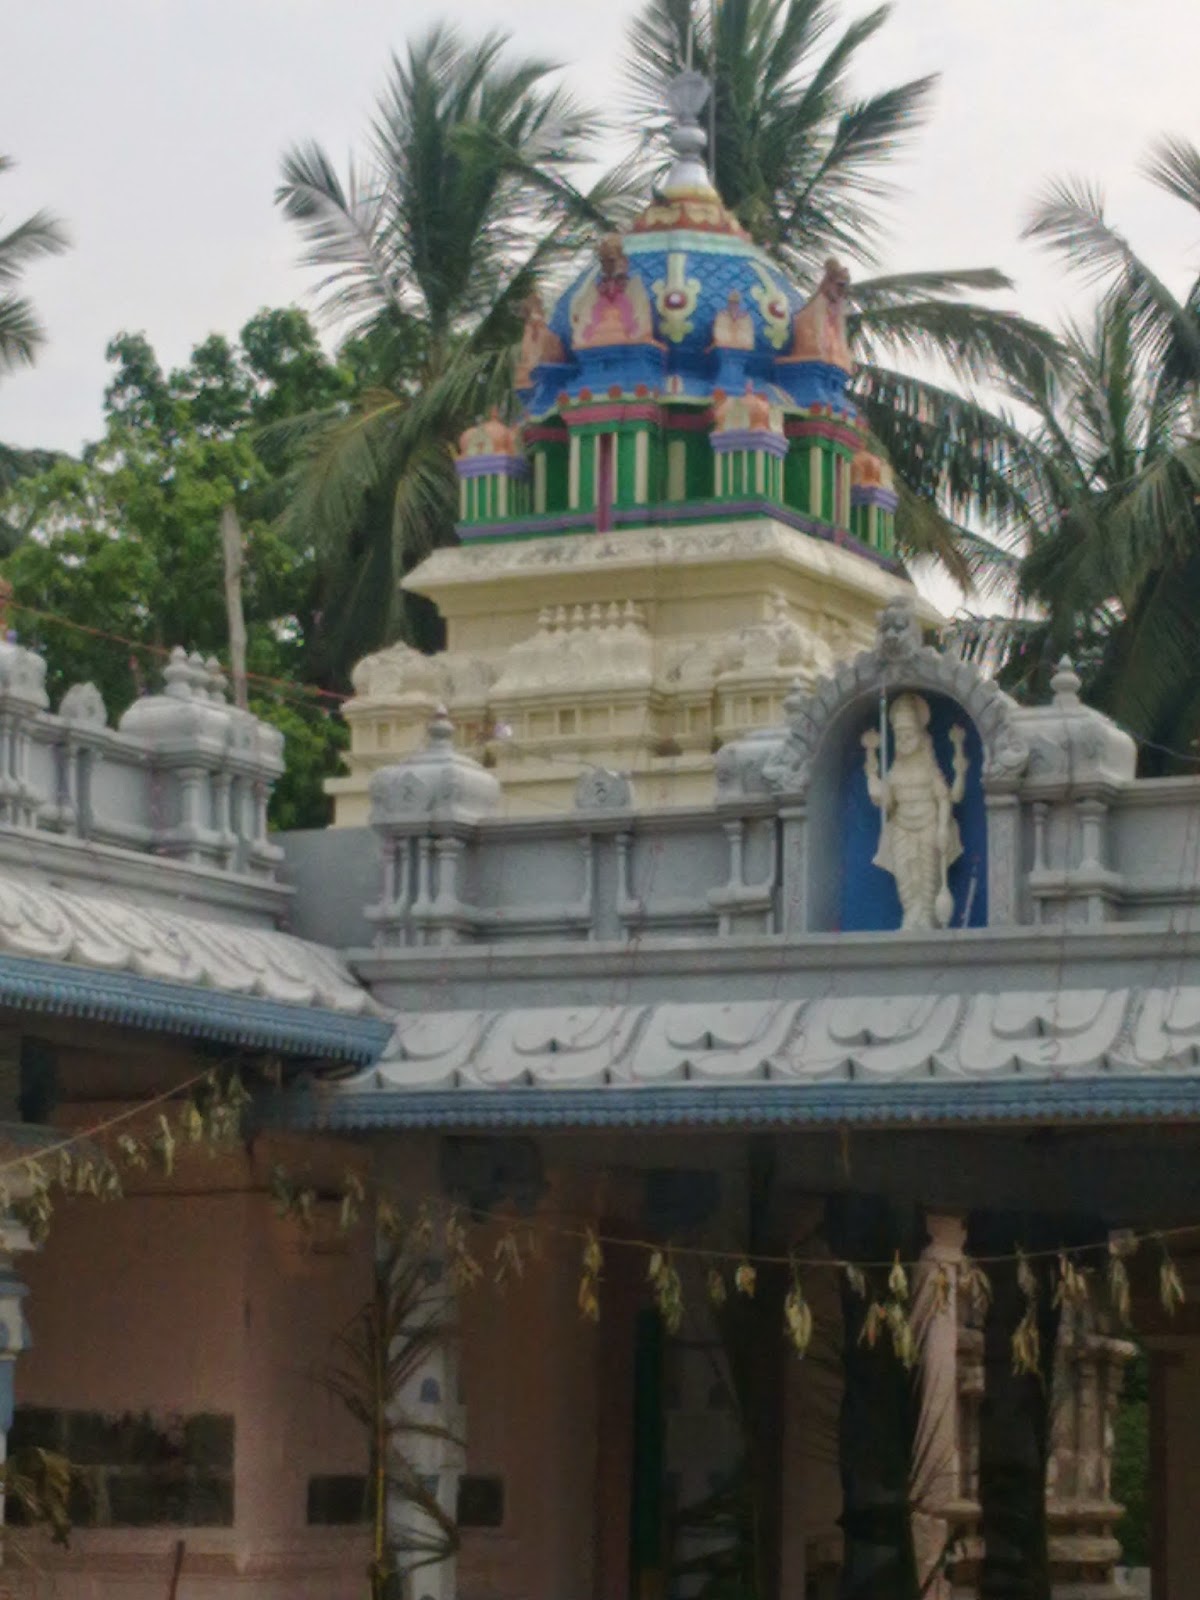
613,306
869,471
819,330
538,343
490,437
747,412
918,839
733,327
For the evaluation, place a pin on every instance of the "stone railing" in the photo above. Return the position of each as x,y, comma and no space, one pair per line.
184,774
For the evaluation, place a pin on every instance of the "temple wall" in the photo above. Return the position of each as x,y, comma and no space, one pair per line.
529,1385
204,1307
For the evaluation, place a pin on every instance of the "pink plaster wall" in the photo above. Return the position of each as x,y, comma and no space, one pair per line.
170,1302
528,1375
166,1303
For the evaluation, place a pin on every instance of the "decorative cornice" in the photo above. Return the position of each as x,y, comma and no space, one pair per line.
822,428
492,466
538,542
611,411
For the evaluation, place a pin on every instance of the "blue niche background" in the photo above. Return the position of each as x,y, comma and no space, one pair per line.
869,900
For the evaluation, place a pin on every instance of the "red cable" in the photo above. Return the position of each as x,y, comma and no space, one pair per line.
159,650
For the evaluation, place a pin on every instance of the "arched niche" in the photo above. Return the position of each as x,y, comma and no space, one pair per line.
847,891
819,776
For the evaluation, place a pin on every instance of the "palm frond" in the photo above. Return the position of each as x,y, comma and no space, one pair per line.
1070,219
1174,165
975,341
903,288
39,235
21,334
344,225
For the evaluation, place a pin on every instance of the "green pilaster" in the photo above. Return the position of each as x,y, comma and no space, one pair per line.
795,475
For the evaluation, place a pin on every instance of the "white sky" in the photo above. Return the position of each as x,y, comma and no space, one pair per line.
154,129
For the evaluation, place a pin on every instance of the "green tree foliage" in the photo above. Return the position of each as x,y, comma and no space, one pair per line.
1106,483
125,541
429,246
1131,1465
803,161
1114,489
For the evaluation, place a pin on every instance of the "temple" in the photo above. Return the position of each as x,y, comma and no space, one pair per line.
798,1133
687,518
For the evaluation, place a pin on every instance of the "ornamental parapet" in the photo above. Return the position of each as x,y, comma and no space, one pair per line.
824,825
184,774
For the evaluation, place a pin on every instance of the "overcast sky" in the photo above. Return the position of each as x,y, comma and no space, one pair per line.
154,129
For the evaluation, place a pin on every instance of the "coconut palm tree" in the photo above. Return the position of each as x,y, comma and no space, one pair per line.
21,334
429,246
1113,480
803,164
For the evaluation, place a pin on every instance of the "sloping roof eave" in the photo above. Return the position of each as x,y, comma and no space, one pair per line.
55,988
1017,1101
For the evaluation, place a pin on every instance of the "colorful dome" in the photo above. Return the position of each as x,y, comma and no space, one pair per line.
681,378
685,303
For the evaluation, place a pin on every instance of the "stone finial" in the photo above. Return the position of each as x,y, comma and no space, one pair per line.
83,705
177,675
440,731
687,96
1066,684
217,681
438,781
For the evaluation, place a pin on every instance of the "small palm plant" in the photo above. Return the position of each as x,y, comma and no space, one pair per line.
376,1363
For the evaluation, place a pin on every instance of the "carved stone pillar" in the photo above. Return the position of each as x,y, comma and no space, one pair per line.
1080,1513
945,1514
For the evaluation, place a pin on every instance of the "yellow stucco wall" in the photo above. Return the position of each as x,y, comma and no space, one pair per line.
641,650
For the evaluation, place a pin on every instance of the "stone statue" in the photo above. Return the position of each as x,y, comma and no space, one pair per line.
918,836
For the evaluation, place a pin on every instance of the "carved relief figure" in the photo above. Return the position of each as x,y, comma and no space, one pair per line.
612,307
538,342
919,839
819,330
733,326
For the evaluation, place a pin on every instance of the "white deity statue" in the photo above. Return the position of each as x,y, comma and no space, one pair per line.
918,836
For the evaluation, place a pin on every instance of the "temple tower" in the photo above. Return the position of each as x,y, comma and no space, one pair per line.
686,518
